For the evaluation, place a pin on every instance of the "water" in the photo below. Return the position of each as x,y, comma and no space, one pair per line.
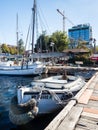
8,85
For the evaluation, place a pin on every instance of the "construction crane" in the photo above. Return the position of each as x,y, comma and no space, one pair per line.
64,19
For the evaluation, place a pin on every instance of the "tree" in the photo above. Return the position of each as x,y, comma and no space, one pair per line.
5,48
42,42
20,47
60,39
82,45
96,49
13,50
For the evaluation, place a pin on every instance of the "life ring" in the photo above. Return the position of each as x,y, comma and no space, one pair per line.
22,114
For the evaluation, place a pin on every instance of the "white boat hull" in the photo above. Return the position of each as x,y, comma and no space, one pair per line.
34,69
16,72
47,97
50,90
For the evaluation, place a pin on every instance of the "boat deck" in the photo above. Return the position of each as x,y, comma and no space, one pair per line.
80,114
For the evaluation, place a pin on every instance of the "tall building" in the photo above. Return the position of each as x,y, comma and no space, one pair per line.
82,32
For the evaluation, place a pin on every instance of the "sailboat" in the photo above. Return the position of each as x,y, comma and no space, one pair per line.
26,66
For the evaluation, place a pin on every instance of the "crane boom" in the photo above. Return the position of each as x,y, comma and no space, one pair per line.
60,12
64,19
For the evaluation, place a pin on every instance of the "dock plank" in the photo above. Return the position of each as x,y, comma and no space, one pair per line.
78,128
86,86
93,103
96,87
84,98
85,124
92,85
89,116
95,92
71,119
90,110
94,98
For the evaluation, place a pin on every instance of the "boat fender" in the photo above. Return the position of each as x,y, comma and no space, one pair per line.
30,104
34,111
18,116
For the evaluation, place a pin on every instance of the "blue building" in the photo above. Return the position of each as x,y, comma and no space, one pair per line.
82,32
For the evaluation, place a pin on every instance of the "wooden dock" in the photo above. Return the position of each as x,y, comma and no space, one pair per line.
81,114
59,69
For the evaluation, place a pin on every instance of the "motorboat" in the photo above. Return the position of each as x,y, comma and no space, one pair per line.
43,96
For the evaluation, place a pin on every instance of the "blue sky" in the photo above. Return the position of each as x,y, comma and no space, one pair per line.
78,11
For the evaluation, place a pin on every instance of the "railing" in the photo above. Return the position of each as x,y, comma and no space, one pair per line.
48,55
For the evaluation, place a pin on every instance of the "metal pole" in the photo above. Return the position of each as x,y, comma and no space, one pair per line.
94,41
17,38
33,13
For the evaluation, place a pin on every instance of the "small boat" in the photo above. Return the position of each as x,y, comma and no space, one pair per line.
43,96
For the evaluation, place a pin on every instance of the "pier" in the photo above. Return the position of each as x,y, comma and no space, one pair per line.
80,113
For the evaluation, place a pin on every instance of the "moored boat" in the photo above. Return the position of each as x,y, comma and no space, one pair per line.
34,68
28,65
43,97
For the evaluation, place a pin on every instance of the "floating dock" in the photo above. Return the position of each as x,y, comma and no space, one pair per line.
82,113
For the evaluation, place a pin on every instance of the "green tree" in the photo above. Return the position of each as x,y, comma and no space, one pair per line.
82,45
5,48
42,42
20,47
97,49
13,50
60,39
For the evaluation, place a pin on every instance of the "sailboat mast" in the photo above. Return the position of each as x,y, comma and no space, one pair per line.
17,38
33,30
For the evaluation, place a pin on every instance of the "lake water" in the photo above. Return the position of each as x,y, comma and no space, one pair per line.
8,87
